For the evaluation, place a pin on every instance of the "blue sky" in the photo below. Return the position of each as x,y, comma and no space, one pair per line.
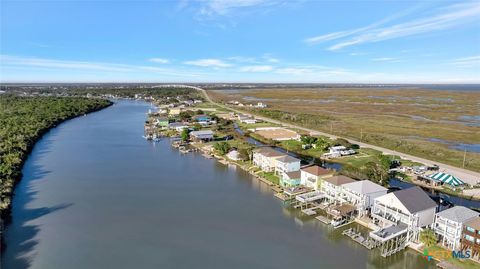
240,41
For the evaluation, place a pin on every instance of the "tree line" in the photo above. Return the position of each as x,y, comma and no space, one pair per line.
23,120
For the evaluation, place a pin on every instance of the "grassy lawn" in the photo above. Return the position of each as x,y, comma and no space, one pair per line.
239,144
209,105
270,176
358,160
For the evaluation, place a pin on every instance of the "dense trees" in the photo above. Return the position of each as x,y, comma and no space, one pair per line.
222,147
22,121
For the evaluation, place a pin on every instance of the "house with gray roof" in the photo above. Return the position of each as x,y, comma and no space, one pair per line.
361,194
266,157
410,208
286,164
332,186
448,225
202,136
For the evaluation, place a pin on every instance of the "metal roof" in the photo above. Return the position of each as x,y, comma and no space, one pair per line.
458,214
288,159
414,199
364,187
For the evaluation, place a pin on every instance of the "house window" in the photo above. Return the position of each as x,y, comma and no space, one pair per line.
469,238
470,229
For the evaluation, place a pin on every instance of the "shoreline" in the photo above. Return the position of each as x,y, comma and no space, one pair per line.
6,214
273,186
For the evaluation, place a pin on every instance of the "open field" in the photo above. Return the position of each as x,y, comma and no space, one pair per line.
433,124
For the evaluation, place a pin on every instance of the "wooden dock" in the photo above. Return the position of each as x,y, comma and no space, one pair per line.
358,237
323,219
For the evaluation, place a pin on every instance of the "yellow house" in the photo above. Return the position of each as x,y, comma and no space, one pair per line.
175,111
314,175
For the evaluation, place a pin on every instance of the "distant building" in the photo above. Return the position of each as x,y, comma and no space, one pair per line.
448,225
162,122
177,126
338,151
202,136
175,111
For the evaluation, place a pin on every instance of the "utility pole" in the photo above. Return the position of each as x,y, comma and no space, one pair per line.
464,156
361,134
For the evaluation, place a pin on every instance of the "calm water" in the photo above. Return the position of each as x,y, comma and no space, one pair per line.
95,194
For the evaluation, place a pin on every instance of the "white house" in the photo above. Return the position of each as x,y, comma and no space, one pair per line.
332,187
338,151
361,194
448,225
312,176
266,157
286,164
177,126
405,211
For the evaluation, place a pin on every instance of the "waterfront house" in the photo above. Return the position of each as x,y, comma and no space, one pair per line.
471,236
286,164
448,225
162,122
265,158
314,175
332,187
261,105
202,119
177,126
361,194
290,179
202,136
405,211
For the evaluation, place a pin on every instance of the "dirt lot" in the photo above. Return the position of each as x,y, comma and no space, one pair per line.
277,134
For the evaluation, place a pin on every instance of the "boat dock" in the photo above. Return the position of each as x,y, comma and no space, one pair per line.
323,219
358,237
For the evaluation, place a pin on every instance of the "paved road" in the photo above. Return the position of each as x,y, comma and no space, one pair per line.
467,176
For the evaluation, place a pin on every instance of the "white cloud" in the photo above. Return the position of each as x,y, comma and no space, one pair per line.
55,64
269,58
294,70
224,7
473,61
208,63
257,68
387,59
242,59
159,60
449,17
